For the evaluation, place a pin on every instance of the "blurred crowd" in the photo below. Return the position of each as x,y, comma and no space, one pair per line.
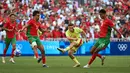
55,15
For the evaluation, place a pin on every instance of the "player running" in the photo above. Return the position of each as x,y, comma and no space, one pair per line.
33,25
104,38
73,35
10,28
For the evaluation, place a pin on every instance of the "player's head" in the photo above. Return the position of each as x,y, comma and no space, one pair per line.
102,13
36,15
12,17
71,27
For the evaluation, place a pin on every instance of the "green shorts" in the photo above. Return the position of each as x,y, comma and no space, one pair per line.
10,40
102,43
34,39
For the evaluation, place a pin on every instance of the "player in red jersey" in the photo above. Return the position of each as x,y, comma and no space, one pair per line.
10,28
33,26
104,38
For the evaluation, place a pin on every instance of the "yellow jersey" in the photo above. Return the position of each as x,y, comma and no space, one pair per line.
75,34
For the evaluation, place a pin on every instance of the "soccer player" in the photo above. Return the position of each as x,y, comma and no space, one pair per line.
104,38
73,35
10,28
33,25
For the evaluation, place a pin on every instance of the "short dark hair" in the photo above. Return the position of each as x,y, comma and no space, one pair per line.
102,11
70,24
35,13
12,14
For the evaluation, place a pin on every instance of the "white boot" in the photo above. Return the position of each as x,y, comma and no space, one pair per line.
3,59
12,60
86,66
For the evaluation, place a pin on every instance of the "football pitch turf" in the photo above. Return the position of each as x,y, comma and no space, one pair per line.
63,64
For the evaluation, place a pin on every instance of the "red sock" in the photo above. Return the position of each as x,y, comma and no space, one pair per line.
4,52
99,56
92,58
37,56
12,54
44,60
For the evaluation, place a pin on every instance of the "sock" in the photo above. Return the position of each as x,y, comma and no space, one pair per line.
4,52
76,61
99,56
36,54
12,54
67,48
44,60
92,58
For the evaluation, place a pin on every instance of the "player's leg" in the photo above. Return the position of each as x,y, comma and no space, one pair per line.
93,54
67,48
13,42
33,43
101,47
70,53
101,44
77,44
41,48
7,43
99,55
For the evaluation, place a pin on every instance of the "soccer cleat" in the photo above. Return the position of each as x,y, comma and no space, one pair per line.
44,65
39,60
3,59
86,66
77,65
34,57
61,50
12,60
103,58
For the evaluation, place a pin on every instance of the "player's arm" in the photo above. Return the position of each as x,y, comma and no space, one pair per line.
112,25
24,27
70,38
42,30
83,34
118,31
5,27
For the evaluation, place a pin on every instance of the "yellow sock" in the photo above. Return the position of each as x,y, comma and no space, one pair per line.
76,61
67,48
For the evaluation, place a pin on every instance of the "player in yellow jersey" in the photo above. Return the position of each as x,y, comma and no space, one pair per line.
73,35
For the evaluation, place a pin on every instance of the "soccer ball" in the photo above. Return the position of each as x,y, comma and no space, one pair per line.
17,53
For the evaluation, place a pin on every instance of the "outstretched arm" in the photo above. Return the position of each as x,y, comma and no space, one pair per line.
84,36
42,30
118,31
24,27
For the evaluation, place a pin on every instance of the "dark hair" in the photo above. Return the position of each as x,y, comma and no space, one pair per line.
70,24
12,15
35,13
102,11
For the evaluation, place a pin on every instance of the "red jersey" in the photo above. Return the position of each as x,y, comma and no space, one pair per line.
105,28
9,25
33,27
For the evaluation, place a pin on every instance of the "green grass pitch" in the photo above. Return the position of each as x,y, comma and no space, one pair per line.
63,64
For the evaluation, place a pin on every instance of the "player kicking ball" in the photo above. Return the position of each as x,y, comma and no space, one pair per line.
104,38
73,35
